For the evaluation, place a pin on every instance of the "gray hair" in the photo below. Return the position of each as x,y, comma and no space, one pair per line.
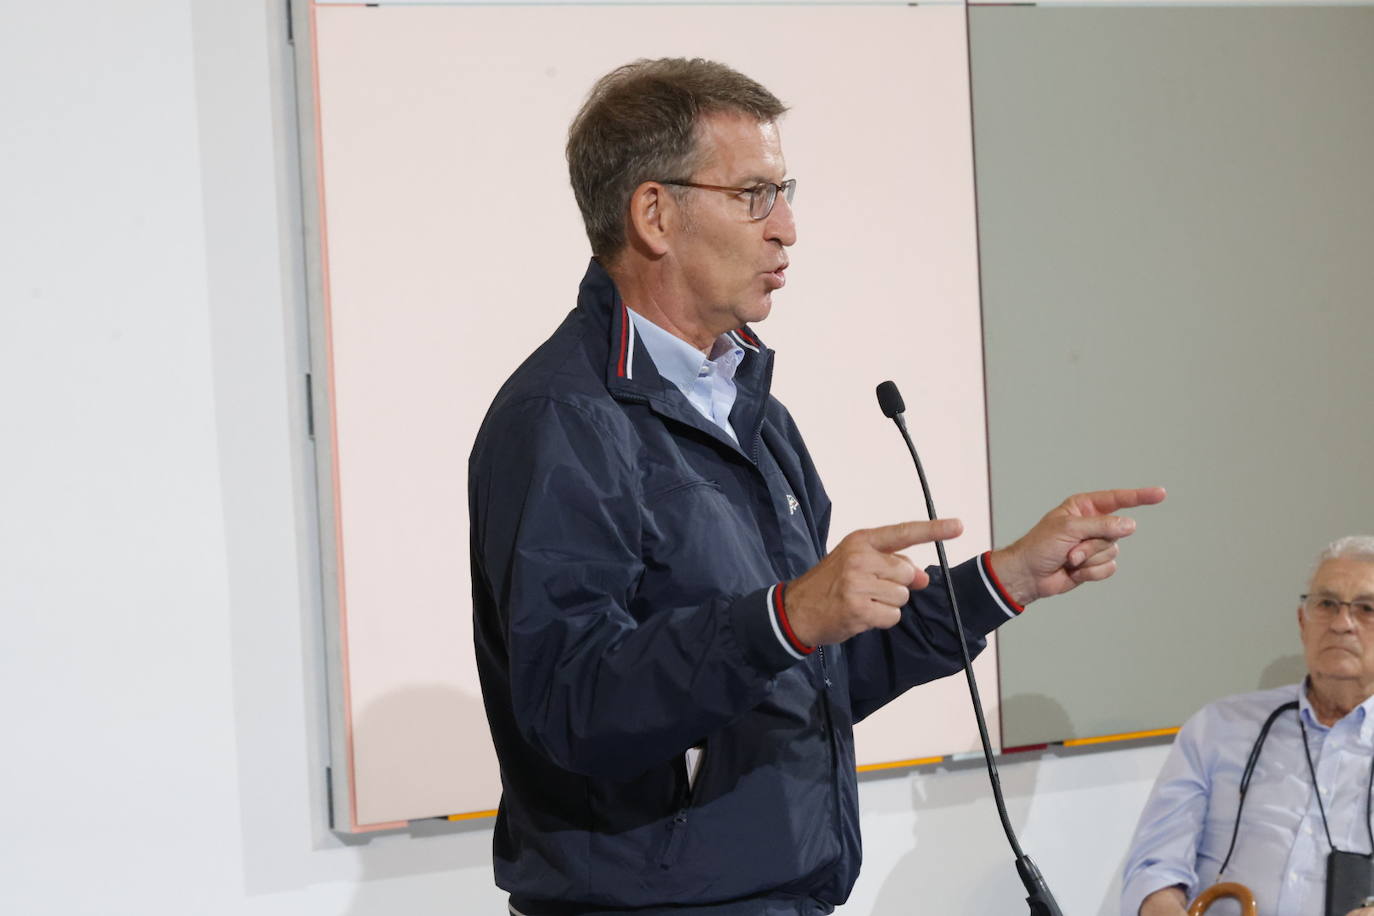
1350,547
640,124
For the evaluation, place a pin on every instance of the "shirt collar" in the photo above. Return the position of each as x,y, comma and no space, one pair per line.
1363,714
678,361
1305,707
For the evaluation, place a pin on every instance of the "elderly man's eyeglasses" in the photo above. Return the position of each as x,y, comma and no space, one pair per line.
761,196
1324,607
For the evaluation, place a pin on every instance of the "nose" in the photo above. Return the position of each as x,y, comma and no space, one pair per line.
1344,621
781,224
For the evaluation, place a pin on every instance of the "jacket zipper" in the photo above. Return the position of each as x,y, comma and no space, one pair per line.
758,427
833,743
677,827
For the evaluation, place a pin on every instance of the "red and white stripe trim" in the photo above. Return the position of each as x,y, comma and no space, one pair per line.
995,588
625,363
777,616
744,339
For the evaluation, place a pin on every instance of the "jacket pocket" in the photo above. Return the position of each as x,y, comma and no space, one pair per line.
691,764
674,489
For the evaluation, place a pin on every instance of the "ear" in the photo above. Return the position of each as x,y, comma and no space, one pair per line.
652,210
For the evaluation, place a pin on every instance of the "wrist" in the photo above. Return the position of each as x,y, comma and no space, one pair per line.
1011,576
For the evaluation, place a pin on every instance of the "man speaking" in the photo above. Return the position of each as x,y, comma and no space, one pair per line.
671,661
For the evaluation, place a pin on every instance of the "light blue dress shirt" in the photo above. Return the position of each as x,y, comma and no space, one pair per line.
707,382
1281,850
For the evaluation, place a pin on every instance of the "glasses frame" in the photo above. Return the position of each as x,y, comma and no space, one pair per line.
1357,616
766,191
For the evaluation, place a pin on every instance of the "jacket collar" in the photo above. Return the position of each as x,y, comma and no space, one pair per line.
631,373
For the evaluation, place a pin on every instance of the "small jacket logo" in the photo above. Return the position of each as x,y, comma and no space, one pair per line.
792,504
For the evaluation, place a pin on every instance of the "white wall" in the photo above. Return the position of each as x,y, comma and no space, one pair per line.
161,662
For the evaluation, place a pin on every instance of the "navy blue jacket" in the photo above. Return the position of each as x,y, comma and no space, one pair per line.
628,562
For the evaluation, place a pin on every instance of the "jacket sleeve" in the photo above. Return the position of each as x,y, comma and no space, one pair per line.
1164,849
924,645
556,539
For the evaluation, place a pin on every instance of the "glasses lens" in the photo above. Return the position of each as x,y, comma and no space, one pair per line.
1322,607
761,200
763,197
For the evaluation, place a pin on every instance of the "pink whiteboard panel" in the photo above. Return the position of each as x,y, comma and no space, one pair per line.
454,248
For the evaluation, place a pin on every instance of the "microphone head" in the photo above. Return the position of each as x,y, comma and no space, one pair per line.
890,400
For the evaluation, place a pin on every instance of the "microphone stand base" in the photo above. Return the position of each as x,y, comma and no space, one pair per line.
1040,900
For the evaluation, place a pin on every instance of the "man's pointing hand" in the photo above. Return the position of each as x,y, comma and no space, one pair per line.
863,583
1075,542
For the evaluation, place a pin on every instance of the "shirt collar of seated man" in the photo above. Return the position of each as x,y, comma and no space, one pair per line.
695,262
1336,622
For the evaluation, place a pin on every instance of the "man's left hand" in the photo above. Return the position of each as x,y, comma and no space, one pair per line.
1074,543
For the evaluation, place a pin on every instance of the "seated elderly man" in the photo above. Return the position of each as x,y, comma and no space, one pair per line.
1310,756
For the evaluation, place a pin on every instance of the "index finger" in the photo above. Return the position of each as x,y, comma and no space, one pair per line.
1104,527
889,538
1105,502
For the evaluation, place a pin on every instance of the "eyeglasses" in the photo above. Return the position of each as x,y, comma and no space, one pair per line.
1322,607
761,196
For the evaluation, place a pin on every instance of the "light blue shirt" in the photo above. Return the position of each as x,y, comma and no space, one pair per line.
1281,850
707,382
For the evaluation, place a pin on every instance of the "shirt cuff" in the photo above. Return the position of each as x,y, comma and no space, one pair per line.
995,588
1144,883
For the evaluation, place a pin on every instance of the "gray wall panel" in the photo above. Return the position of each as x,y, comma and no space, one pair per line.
1177,225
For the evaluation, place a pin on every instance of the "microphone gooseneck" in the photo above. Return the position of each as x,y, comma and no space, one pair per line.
1042,902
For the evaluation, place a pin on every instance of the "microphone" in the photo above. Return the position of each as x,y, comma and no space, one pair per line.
890,400
1041,901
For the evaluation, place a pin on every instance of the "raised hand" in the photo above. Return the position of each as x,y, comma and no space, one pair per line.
1075,542
863,583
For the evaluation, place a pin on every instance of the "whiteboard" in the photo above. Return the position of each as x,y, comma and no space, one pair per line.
1177,215
448,246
